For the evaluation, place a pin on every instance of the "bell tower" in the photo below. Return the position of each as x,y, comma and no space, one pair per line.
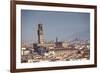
40,34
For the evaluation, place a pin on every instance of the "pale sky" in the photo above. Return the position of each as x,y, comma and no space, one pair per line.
64,25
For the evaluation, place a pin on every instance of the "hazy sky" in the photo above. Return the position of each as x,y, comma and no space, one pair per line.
64,25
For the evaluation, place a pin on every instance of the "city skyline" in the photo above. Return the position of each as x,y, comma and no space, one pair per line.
64,25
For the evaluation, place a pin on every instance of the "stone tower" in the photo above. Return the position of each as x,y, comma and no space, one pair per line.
40,34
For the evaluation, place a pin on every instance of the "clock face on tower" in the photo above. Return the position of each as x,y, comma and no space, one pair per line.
41,32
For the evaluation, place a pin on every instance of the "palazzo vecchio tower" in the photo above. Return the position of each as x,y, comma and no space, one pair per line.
40,34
